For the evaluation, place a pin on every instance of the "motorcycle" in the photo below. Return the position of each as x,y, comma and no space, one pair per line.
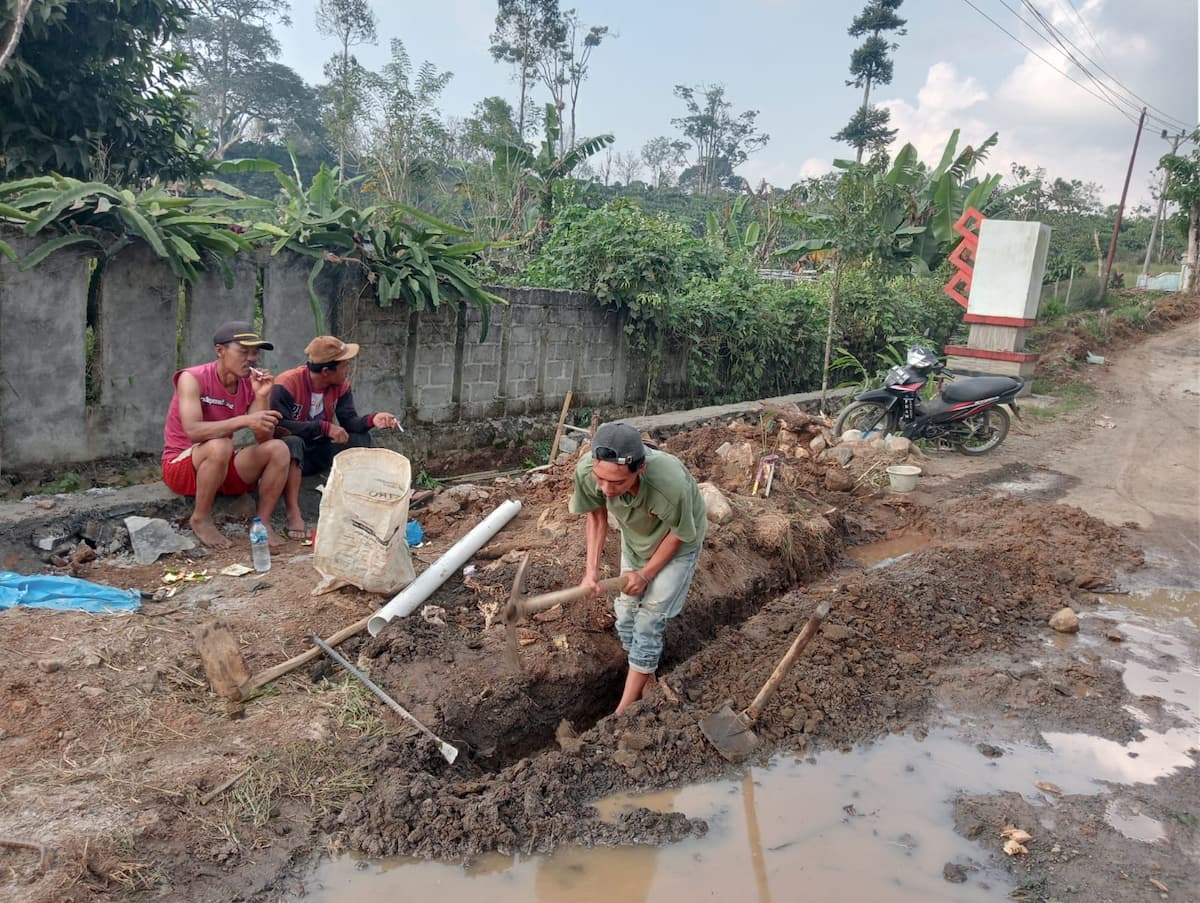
969,414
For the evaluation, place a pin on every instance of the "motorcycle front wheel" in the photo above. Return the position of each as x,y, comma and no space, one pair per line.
872,416
984,431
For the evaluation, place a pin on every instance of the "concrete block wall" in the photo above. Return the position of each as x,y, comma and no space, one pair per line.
428,367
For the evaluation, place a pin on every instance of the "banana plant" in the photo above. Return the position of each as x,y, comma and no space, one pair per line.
543,169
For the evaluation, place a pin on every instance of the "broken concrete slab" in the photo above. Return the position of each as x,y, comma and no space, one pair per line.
153,536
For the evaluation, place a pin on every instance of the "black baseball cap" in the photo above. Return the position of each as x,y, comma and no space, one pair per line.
241,332
619,443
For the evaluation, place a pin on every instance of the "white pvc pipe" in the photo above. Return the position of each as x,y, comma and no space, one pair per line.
406,601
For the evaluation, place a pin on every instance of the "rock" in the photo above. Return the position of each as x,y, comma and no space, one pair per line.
851,436
49,538
1115,635
45,504
818,445
837,480
549,524
1065,620
840,453
898,446
83,554
719,509
834,633
568,738
444,503
568,446
50,665
955,874
989,751
152,537
634,741
92,692
625,758
878,443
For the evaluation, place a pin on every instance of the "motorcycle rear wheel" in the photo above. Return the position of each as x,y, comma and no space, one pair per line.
986,431
863,415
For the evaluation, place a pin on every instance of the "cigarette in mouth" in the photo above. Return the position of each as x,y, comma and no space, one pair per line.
257,372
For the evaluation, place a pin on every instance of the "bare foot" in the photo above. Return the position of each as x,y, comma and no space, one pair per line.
206,531
274,540
297,525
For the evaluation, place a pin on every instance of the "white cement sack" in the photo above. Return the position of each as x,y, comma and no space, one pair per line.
364,511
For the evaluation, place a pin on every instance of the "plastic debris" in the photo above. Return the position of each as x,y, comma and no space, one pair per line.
64,594
413,534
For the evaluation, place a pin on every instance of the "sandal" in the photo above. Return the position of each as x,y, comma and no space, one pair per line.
301,535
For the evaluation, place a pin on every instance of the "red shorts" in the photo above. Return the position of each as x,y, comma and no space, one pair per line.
180,477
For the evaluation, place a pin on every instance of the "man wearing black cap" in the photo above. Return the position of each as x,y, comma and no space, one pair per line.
213,401
663,519
308,398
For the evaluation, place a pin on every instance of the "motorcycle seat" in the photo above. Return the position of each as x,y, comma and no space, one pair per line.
973,388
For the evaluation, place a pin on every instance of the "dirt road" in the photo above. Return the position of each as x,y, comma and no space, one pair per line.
1130,455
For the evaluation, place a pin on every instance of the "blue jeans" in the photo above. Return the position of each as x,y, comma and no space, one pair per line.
641,620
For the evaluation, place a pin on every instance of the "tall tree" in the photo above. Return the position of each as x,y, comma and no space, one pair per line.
870,65
410,138
722,140
351,23
582,40
91,90
240,92
664,156
525,29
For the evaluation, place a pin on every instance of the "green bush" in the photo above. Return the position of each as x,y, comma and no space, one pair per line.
746,338
619,254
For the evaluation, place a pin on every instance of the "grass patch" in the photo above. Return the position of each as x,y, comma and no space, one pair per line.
1070,396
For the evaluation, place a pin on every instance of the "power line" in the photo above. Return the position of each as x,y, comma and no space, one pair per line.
1083,22
1048,63
1166,118
1103,99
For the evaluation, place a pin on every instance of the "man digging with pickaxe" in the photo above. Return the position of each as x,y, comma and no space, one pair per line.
663,518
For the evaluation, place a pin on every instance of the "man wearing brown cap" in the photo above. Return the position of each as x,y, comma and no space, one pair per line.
213,401
308,398
662,516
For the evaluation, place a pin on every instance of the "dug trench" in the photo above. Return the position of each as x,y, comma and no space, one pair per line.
950,625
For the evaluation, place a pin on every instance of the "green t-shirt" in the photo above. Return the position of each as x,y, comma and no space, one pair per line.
667,499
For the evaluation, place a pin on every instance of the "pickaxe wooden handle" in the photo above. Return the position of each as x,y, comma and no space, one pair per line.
519,608
534,604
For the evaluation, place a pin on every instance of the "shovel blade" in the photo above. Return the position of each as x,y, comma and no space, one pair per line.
449,753
730,732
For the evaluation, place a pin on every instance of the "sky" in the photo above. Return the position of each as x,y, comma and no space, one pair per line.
789,59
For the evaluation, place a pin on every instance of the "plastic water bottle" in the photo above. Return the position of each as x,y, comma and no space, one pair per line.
259,550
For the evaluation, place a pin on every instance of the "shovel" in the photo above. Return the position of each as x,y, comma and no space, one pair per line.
449,753
732,733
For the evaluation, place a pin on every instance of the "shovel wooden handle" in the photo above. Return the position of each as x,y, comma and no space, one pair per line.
534,604
785,664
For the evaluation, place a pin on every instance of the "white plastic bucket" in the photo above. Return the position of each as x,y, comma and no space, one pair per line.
903,477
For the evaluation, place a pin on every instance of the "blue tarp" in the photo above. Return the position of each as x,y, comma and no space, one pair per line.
64,594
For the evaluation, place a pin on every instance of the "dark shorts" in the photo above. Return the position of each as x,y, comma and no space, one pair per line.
317,457
180,477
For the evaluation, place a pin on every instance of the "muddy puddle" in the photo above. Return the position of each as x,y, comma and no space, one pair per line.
886,552
872,823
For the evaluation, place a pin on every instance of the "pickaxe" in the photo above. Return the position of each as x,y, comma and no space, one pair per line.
519,607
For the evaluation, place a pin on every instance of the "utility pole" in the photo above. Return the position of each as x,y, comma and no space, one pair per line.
1112,245
1162,203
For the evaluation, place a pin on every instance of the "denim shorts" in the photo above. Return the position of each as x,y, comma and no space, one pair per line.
641,620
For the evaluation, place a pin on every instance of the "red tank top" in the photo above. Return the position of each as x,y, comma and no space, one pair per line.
216,403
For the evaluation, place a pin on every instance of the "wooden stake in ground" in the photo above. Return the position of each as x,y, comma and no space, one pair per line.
562,419
222,659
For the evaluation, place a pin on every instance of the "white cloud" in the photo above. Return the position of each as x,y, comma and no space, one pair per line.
945,102
782,173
